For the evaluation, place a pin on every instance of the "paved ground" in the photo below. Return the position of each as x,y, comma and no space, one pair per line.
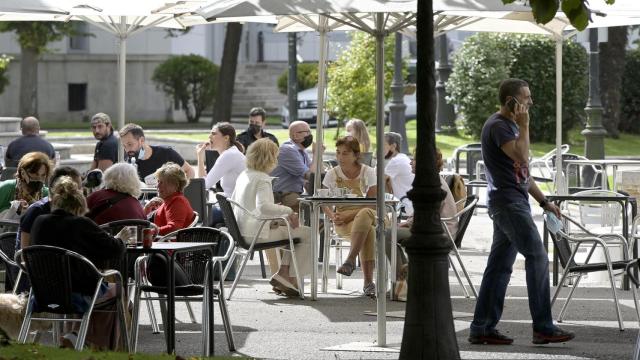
271,327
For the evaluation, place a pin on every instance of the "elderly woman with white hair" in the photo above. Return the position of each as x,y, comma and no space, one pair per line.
119,198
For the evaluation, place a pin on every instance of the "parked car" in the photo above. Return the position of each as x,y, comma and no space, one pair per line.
307,109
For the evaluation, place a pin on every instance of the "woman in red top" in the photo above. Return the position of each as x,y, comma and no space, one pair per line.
173,211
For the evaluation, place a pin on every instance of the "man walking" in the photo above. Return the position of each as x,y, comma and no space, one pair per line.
257,123
106,150
505,151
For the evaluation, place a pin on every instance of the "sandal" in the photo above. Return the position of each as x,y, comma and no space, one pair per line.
370,290
347,268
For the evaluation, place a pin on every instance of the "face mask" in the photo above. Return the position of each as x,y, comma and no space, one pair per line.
139,154
35,186
254,129
308,140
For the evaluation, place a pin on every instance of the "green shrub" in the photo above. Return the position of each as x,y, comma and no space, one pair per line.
307,77
190,80
351,86
630,99
4,64
486,59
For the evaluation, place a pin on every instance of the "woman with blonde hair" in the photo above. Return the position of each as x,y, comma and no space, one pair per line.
358,129
253,192
173,210
28,187
119,198
66,227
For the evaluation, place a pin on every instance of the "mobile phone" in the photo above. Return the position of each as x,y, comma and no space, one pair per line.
511,104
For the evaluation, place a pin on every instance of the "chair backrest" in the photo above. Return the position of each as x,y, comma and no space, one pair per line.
196,194
465,217
231,222
53,272
366,158
310,185
196,218
210,158
194,262
597,213
8,248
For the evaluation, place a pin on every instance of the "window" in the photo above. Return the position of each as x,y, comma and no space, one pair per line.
79,42
77,97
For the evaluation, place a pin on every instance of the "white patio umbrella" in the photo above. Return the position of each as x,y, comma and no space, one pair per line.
493,16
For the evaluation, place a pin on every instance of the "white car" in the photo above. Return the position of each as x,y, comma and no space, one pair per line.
307,109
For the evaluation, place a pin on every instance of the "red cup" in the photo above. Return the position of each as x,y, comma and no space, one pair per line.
147,237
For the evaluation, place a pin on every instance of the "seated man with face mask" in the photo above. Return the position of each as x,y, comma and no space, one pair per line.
255,131
148,158
294,165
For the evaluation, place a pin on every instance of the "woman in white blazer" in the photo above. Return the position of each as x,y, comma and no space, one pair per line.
254,192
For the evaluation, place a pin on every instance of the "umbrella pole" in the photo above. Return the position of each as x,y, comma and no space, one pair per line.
381,209
561,186
122,68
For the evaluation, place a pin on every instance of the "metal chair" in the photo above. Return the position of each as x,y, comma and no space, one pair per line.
7,253
597,217
463,217
196,193
199,267
245,247
54,274
567,246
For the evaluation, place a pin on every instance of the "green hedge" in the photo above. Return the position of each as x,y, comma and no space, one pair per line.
485,59
307,77
630,99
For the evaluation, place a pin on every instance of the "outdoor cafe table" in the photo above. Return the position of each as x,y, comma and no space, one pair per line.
623,200
170,250
314,204
604,164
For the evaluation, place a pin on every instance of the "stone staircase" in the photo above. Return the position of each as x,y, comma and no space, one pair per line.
256,85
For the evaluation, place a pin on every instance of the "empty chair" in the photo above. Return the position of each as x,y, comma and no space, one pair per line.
56,274
567,246
7,252
463,217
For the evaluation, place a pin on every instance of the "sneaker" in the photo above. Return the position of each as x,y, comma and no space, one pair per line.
68,341
492,338
556,336
370,290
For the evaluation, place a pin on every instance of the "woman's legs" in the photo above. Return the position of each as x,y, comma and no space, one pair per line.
362,242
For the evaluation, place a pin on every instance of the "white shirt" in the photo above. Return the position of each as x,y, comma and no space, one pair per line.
253,192
227,168
367,176
398,168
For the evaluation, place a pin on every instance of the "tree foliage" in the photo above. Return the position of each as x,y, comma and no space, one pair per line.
351,86
37,34
307,74
190,80
4,64
630,98
577,11
485,59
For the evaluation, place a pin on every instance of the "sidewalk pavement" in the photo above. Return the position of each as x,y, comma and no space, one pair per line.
267,326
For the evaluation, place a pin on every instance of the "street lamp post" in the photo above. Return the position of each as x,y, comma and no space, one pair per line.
397,106
292,83
445,115
428,328
594,132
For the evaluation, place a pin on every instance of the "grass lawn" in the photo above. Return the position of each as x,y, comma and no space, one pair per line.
626,145
35,351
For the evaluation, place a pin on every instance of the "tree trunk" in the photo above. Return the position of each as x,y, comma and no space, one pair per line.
226,80
612,58
428,329
28,82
